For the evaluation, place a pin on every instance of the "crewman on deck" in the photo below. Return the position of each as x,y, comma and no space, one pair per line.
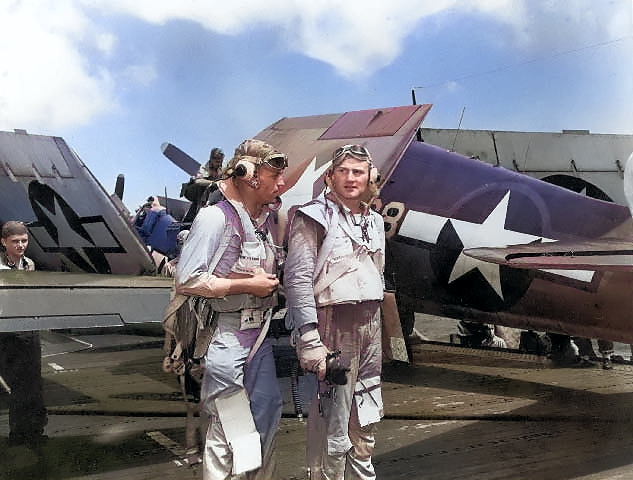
198,189
21,354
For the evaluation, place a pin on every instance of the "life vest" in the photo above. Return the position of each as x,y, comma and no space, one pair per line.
346,270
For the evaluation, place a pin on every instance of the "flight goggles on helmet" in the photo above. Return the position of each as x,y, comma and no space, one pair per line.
276,160
357,151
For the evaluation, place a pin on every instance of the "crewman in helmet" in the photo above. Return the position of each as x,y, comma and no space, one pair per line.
227,270
333,280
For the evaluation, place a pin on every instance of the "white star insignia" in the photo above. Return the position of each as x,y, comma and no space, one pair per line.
302,191
491,233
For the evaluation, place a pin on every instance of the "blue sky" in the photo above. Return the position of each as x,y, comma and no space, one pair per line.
117,78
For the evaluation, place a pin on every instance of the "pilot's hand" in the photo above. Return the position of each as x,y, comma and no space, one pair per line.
312,353
263,284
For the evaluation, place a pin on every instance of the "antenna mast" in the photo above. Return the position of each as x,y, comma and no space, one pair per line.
459,126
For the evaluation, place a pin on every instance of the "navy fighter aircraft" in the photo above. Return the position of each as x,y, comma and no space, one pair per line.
435,203
78,234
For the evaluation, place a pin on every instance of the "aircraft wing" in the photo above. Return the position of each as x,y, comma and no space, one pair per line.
602,254
54,300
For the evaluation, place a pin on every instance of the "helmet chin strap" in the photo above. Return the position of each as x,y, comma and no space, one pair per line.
242,185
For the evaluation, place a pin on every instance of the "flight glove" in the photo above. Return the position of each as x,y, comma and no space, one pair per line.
312,353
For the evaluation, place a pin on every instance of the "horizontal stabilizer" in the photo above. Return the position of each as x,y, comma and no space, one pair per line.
604,254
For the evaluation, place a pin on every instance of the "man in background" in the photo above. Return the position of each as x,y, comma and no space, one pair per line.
20,353
198,189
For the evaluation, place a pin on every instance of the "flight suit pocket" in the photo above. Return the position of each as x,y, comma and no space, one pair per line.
368,396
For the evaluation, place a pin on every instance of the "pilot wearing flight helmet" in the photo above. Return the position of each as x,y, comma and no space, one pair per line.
334,287
228,268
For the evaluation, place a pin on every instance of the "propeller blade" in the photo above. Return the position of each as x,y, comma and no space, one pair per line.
120,186
180,158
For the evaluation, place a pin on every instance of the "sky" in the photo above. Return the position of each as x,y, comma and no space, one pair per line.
117,78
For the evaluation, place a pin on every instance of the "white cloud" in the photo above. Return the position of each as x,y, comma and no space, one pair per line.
355,37
358,37
554,26
44,81
357,40
54,53
105,42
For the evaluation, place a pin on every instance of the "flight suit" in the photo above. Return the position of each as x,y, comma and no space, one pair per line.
338,282
240,390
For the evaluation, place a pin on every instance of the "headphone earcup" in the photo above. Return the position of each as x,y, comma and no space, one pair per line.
244,169
374,175
327,178
239,171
